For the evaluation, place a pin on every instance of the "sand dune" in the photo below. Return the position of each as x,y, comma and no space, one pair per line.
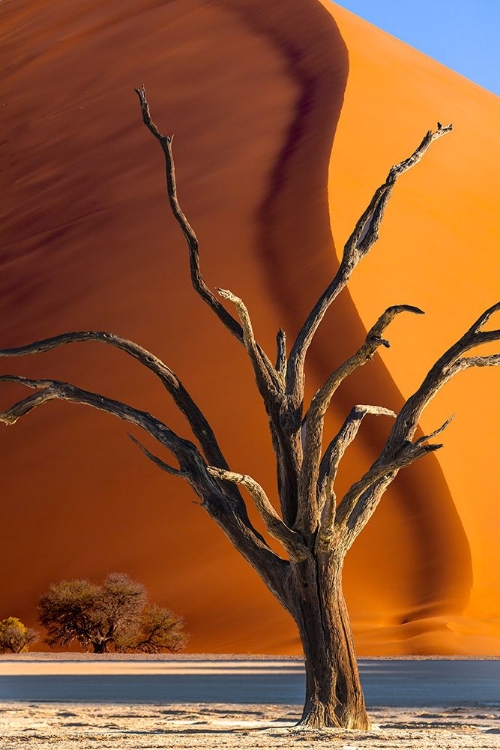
286,118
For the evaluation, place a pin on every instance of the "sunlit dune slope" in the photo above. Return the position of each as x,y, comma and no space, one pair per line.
286,118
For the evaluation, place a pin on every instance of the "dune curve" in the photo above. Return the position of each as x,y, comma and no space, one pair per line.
253,95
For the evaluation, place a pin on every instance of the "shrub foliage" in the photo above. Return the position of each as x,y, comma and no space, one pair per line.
112,616
15,637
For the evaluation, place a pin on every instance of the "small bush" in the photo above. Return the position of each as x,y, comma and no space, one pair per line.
15,637
111,616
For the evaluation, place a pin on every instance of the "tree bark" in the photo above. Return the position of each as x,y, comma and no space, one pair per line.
334,697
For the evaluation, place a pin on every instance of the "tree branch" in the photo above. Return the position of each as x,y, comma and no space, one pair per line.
330,463
490,360
308,510
157,460
362,498
263,369
483,319
197,279
364,236
448,365
281,353
265,373
197,421
351,509
291,541
50,390
229,514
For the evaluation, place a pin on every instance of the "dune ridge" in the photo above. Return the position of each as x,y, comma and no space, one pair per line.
258,99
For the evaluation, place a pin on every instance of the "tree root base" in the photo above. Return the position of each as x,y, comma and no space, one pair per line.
328,719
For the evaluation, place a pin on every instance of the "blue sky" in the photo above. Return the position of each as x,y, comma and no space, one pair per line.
462,34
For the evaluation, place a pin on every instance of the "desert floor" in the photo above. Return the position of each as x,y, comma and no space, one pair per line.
73,701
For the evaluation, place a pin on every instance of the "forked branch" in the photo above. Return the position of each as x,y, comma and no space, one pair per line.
329,467
363,237
268,381
350,508
399,451
50,390
291,541
265,374
309,511
451,363
229,513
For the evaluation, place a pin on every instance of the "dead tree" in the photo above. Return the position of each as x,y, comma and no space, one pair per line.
314,527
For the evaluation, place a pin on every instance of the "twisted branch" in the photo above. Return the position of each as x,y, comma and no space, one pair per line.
448,365
265,373
197,279
269,382
50,390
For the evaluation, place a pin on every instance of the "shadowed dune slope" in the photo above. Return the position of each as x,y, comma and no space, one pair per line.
286,117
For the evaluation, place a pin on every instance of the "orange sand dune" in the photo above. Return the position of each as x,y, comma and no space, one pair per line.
286,118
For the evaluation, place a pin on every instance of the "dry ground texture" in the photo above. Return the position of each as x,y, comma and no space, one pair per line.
85,702
87,727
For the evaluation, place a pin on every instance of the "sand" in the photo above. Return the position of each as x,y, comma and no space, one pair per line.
286,117
217,725
48,701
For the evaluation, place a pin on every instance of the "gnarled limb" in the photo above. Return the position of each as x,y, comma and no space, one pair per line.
291,541
363,237
230,515
308,510
268,381
409,452
50,390
197,279
338,445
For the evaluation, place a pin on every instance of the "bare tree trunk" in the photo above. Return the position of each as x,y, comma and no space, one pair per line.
334,697
314,528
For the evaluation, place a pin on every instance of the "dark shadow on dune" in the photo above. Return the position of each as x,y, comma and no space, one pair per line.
297,248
